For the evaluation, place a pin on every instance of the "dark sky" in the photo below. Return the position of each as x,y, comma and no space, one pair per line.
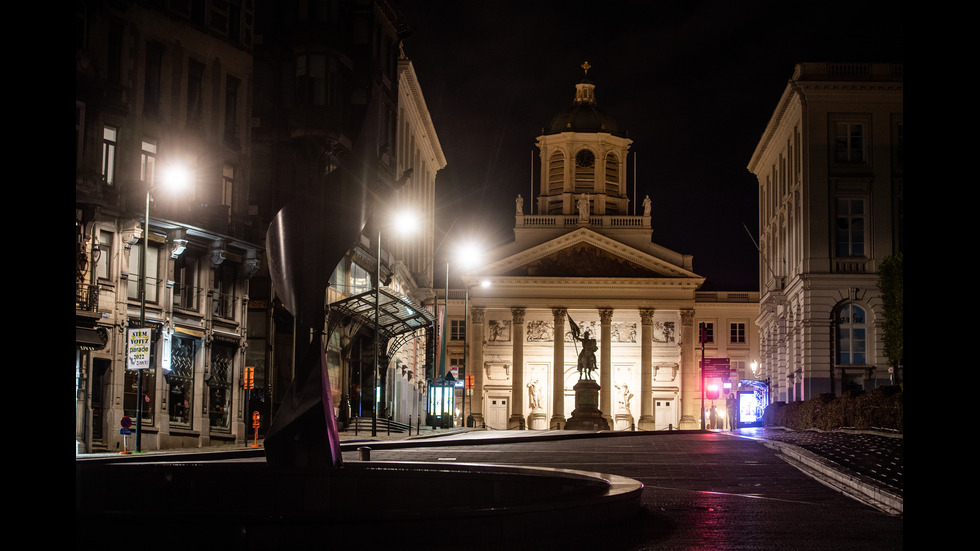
693,83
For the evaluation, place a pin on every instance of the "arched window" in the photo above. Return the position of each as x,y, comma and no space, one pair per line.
852,334
556,173
612,175
585,171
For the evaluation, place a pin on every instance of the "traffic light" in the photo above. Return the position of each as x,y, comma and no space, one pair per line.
712,389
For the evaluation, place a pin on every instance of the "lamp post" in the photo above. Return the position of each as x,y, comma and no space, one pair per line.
175,177
408,221
469,254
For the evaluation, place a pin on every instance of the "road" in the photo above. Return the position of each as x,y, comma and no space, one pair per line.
701,491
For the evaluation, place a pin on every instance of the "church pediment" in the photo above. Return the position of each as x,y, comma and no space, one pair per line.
581,260
586,254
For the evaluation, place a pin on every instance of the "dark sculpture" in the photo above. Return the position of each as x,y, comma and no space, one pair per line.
305,242
586,358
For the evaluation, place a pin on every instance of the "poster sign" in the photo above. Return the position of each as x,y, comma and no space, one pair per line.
138,348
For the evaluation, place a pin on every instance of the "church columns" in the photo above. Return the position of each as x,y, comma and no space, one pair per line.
691,390
517,419
558,370
647,421
476,354
605,369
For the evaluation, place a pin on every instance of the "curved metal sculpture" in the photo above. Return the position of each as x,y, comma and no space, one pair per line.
305,242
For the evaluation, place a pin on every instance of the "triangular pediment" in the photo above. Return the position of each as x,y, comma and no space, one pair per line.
586,254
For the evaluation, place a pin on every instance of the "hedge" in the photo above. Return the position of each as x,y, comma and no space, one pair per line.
881,408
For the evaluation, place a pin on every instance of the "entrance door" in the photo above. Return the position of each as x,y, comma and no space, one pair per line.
664,414
497,412
100,367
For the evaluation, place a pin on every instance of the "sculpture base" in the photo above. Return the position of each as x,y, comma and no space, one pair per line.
538,420
624,421
587,415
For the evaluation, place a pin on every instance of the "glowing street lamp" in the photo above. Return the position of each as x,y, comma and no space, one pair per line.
406,222
470,255
173,178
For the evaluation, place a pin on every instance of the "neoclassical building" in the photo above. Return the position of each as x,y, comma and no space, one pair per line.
585,261
830,172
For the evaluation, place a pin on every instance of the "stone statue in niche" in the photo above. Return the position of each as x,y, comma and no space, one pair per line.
534,394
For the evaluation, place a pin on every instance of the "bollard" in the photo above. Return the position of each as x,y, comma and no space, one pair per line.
364,453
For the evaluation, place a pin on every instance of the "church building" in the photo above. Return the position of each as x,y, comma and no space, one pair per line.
585,268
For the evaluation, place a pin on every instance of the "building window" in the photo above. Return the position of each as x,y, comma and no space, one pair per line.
849,142
707,335
457,330
186,282
851,335
109,145
612,175
152,86
556,173
231,108
219,385
195,93
181,382
148,162
152,267
227,187
225,276
850,227
738,333
360,280
104,260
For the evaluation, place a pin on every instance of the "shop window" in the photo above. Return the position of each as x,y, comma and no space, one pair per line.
219,385
130,382
181,382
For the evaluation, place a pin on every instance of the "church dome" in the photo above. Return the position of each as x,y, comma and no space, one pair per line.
583,115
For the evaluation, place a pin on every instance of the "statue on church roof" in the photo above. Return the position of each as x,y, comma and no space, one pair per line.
520,205
647,205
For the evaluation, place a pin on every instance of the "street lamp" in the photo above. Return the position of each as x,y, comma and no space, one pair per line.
407,222
174,177
469,255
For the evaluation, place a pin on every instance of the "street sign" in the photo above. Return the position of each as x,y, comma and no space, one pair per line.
716,368
126,422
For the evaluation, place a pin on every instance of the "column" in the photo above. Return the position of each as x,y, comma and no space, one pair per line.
517,420
558,371
690,375
605,368
475,329
647,421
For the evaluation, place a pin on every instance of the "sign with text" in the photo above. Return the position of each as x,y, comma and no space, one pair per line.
716,367
138,348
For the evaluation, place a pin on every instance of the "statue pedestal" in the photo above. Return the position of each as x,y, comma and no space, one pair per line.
587,415
538,420
624,421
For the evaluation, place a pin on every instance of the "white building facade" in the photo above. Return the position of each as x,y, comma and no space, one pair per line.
830,173
584,262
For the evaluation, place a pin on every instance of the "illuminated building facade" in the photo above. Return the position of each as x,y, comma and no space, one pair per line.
159,86
586,260
830,173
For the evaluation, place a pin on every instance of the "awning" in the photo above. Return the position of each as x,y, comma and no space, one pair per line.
396,315
87,338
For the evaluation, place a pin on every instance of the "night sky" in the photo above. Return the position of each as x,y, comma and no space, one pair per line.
693,83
